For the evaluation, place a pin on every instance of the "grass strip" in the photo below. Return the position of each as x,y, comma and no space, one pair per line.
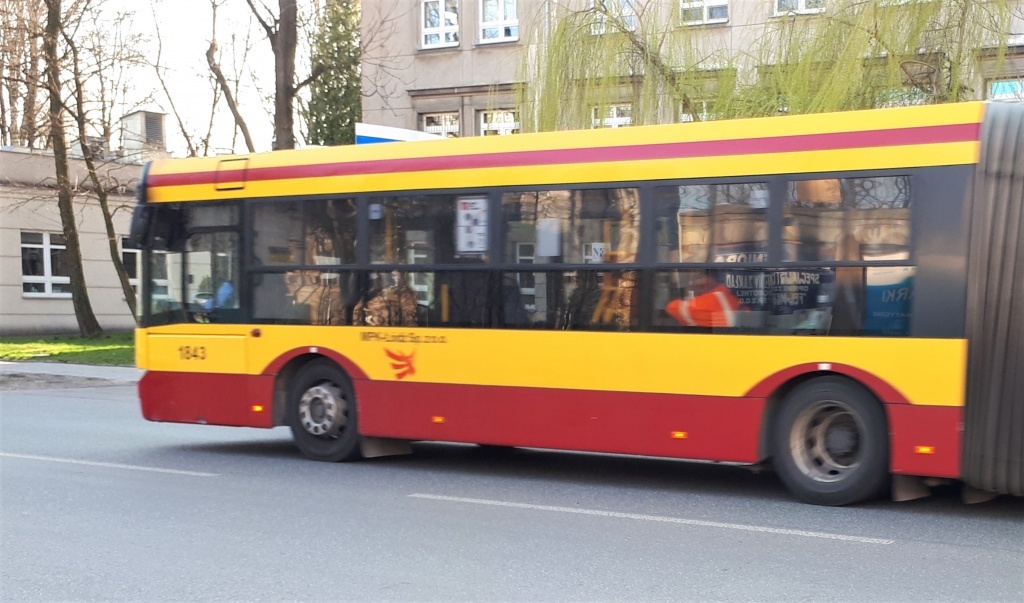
116,349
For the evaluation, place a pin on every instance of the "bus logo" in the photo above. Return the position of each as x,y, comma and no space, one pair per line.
402,364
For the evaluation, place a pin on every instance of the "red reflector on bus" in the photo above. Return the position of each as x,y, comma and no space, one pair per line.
924,449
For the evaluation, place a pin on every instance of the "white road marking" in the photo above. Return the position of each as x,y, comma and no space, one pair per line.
53,459
677,520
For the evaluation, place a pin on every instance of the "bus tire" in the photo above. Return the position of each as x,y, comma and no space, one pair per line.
322,413
831,443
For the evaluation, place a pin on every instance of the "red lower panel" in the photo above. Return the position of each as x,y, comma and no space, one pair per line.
925,440
207,398
696,427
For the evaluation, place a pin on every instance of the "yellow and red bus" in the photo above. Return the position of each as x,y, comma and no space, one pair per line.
841,294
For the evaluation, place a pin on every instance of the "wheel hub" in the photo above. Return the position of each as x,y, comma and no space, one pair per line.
826,442
322,410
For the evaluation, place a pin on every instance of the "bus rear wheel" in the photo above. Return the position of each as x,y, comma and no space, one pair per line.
322,413
830,443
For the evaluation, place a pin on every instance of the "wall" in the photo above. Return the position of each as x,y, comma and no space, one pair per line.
28,202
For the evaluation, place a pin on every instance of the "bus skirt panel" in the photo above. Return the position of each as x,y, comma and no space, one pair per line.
207,398
925,440
693,427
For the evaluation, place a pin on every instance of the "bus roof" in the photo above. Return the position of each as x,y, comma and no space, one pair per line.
920,136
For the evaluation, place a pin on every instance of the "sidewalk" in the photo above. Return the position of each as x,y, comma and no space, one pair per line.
112,373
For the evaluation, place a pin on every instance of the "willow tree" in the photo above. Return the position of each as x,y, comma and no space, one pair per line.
858,54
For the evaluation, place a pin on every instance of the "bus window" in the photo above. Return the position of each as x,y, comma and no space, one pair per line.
421,229
745,300
307,297
572,226
574,300
211,280
277,233
712,223
848,219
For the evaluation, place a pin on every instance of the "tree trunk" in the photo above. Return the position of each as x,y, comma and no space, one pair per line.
88,326
283,43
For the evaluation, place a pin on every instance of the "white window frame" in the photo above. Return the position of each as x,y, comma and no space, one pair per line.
447,35
801,7
508,124
450,129
705,7
615,120
626,10
48,279
507,26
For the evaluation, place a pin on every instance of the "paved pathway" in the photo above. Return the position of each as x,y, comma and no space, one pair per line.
111,373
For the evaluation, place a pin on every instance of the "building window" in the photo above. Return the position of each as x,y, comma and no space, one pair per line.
621,12
44,265
442,124
1005,89
706,11
500,122
499,21
612,116
785,7
699,110
440,23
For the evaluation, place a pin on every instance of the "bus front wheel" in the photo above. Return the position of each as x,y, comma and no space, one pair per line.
830,443
322,413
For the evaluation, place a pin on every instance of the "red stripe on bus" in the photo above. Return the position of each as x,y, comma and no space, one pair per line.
885,391
679,150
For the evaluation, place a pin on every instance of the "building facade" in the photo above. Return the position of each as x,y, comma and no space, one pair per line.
451,67
35,289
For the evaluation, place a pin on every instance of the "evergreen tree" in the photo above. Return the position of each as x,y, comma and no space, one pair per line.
335,103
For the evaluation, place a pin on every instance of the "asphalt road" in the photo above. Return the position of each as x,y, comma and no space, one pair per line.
97,504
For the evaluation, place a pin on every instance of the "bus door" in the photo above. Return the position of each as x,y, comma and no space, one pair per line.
193,294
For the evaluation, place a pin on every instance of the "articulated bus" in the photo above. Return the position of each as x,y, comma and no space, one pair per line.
839,294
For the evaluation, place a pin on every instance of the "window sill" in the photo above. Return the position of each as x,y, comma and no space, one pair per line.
799,13
688,24
491,41
45,295
440,46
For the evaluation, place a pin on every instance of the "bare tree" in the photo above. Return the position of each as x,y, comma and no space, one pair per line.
21,111
107,53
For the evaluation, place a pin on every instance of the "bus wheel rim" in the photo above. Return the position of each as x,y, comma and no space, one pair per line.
826,441
322,410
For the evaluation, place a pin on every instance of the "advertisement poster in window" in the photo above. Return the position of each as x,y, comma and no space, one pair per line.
471,226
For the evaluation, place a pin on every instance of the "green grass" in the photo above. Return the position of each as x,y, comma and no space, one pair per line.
116,349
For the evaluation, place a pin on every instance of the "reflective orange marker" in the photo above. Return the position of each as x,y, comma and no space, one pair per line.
257,408
437,420
678,435
924,449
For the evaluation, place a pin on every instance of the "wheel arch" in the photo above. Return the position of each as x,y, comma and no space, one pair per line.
777,387
287,365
